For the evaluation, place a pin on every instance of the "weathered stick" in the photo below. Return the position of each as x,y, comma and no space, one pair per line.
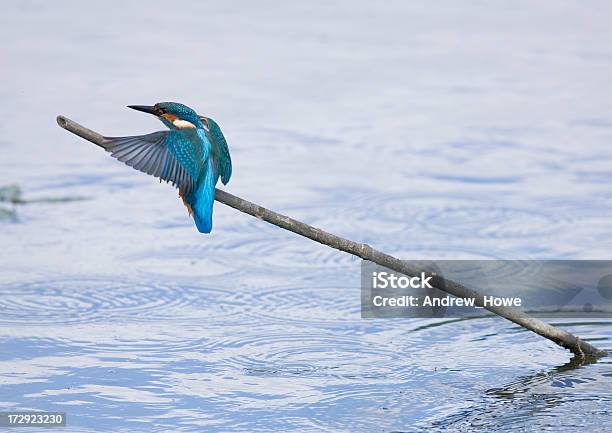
364,251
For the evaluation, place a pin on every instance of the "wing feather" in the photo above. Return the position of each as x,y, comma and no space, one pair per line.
151,154
221,155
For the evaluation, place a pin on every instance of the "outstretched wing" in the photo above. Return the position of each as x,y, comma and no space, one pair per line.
151,154
221,154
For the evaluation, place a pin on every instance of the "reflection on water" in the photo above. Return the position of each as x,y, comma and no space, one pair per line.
545,396
471,131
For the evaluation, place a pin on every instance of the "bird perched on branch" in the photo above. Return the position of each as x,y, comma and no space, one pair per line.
191,155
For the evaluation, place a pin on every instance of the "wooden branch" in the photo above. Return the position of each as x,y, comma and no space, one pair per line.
364,251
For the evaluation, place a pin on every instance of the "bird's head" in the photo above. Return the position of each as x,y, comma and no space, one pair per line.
172,114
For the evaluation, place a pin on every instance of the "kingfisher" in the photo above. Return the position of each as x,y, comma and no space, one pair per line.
191,155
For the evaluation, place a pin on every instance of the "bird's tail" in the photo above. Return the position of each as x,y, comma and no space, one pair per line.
204,197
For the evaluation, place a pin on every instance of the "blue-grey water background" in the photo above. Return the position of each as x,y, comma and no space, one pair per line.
453,130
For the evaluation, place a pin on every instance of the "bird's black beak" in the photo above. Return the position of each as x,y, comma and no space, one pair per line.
144,108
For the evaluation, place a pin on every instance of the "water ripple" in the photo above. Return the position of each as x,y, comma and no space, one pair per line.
90,300
308,304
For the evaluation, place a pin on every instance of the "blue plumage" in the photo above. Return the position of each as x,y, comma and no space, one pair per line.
192,155
202,199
